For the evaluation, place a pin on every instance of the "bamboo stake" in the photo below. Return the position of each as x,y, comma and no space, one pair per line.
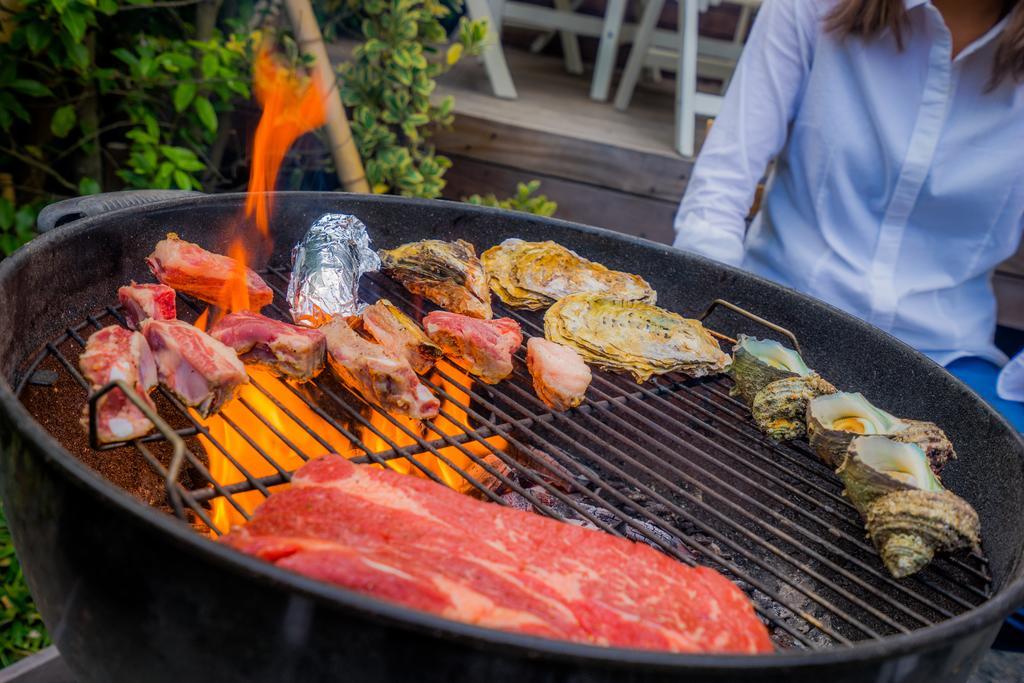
343,147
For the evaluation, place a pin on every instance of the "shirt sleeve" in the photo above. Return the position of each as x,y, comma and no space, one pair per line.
750,129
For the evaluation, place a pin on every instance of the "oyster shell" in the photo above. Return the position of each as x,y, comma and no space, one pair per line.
931,438
908,515
757,362
835,419
533,275
633,336
780,408
447,273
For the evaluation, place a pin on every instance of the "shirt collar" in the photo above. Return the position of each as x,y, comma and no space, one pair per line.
911,4
978,43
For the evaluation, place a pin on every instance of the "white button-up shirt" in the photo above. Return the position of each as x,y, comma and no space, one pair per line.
899,184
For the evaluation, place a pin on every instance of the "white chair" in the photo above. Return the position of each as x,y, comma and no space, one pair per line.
680,52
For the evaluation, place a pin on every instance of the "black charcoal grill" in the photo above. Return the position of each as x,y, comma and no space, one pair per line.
135,590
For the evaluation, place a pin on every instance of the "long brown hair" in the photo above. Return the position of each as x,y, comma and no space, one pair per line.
868,18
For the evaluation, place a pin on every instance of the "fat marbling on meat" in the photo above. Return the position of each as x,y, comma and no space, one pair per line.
190,269
408,540
381,378
286,350
400,335
484,346
200,371
560,377
116,353
144,301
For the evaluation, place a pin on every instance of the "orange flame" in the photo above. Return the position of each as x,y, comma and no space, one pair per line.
269,427
292,107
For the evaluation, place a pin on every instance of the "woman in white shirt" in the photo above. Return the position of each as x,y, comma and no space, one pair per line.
898,132
898,128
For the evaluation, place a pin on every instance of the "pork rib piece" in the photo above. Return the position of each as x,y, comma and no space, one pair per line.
400,336
485,346
201,371
409,540
380,378
286,350
560,377
116,353
190,269
145,301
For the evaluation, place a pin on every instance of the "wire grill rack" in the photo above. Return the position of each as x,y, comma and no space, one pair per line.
675,463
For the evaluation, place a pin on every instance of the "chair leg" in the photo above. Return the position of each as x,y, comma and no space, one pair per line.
638,53
570,43
686,78
607,49
493,55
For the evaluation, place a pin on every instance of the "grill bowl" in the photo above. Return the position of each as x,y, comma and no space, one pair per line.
131,594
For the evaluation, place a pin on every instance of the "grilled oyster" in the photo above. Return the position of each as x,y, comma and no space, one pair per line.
757,362
931,438
533,275
633,336
908,515
447,273
780,408
832,421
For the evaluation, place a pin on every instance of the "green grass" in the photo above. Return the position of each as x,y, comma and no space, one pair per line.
21,628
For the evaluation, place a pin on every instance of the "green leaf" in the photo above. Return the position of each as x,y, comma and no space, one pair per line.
37,35
206,113
88,186
108,7
209,65
31,88
125,56
6,214
63,120
182,180
183,95
75,23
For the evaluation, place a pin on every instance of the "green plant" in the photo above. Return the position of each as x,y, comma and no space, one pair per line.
388,85
17,225
21,628
523,200
98,94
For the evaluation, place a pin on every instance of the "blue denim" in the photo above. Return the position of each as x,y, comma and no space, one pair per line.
980,375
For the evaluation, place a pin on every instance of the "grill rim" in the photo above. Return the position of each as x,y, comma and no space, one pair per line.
958,628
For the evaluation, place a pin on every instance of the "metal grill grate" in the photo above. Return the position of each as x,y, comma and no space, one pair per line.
676,463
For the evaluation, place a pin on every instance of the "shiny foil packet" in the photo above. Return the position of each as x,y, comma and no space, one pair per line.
326,266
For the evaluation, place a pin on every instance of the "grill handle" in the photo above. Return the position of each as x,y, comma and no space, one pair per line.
177,443
747,314
70,210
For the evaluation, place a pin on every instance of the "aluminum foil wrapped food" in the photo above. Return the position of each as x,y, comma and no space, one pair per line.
326,266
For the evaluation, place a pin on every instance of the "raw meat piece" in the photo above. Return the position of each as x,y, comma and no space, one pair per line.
560,377
409,540
116,353
201,371
147,301
190,269
367,368
400,335
287,350
485,346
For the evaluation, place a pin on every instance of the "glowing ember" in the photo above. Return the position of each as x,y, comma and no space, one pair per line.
270,430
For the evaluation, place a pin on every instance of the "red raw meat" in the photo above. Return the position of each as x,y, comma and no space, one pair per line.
485,346
287,350
190,269
409,540
116,353
201,371
367,368
147,301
